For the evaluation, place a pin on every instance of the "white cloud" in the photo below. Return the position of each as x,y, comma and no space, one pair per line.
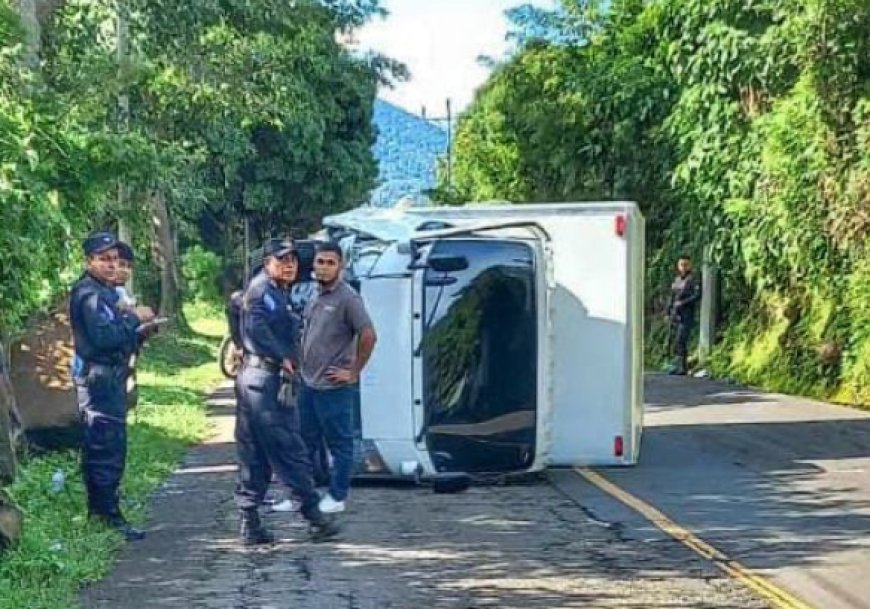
440,42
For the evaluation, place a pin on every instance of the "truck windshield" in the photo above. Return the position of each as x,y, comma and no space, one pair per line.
479,354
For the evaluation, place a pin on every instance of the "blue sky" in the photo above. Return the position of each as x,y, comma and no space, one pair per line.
439,41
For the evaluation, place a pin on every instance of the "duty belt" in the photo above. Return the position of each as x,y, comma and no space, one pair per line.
263,363
81,376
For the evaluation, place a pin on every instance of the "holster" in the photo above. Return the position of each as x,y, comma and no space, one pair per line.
288,394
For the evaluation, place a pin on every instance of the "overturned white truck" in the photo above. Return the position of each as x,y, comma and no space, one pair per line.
510,337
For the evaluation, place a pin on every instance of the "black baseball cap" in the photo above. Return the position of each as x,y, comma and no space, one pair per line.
277,248
97,243
125,252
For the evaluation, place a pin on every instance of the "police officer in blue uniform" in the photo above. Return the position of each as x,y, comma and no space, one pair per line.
104,336
267,422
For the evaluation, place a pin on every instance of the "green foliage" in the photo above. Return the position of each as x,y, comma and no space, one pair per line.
225,109
278,111
741,129
61,550
202,270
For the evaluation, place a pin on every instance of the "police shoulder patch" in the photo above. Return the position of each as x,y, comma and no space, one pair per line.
269,301
107,312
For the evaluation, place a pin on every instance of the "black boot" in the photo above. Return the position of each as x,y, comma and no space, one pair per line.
104,506
130,533
683,365
252,530
120,524
321,527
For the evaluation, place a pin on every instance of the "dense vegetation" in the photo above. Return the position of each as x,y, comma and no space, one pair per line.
742,128
171,121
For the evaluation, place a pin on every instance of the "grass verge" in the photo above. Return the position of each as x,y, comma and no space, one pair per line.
61,550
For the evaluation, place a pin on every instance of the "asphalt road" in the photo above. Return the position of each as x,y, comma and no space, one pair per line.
780,484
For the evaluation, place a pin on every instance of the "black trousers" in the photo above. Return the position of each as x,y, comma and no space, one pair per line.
102,399
682,334
268,439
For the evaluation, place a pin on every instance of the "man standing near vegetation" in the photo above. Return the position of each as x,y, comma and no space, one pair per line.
685,293
105,336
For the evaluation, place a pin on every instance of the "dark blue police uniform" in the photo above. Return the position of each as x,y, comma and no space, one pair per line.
267,429
104,338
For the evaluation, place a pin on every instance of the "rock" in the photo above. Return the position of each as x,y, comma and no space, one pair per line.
829,353
45,395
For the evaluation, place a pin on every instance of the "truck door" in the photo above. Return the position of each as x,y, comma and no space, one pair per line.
477,353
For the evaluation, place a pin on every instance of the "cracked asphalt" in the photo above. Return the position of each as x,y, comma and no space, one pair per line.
553,543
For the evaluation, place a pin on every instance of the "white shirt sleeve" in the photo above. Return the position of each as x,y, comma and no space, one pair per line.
125,299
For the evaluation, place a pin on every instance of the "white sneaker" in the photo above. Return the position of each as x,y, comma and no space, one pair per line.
287,505
328,505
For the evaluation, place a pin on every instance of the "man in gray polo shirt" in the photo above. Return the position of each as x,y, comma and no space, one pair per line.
336,344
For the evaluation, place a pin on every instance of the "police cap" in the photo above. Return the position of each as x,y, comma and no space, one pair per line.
277,248
125,252
97,243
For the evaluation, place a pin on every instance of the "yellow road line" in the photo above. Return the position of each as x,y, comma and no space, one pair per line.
776,595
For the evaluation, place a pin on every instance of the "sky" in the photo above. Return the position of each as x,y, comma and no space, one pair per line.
439,41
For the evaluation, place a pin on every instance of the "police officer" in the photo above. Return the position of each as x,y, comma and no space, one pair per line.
105,336
267,423
685,293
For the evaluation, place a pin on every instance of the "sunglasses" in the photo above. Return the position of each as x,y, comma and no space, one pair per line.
325,261
286,258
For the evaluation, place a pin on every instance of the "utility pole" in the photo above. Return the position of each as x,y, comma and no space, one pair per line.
709,297
441,119
449,146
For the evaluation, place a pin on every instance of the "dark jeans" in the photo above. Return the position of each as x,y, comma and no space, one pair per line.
267,440
327,414
681,339
682,329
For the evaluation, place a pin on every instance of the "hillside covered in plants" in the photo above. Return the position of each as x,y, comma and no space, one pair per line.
742,129
407,149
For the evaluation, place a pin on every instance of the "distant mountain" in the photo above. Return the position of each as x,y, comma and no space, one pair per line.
407,150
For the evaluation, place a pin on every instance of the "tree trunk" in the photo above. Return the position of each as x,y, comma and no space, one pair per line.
34,14
122,33
10,523
27,12
9,427
166,257
10,518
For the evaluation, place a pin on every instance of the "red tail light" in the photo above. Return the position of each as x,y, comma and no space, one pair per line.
618,446
620,225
